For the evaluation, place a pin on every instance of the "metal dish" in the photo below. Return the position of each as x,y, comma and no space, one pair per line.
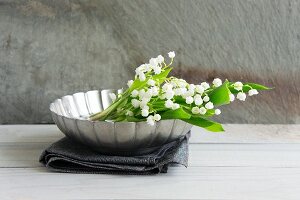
70,113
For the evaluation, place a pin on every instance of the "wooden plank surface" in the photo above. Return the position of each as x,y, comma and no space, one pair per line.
237,183
234,133
246,162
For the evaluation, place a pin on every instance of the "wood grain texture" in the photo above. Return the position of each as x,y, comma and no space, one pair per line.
52,48
231,183
220,168
234,133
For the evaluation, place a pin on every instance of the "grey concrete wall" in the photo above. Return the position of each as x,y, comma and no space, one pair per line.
52,48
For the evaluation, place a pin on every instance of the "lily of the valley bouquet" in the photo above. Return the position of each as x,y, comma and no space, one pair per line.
153,95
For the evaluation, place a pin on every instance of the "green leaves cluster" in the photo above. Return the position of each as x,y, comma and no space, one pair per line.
219,96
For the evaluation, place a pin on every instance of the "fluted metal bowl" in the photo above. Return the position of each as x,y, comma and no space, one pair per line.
71,115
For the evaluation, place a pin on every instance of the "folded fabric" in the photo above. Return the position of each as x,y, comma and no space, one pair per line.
69,156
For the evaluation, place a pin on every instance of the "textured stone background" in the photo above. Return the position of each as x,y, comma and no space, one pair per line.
52,48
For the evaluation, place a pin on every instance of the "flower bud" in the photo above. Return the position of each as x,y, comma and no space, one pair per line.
171,54
252,92
217,82
189,100
217,111
195,110
202,111
157,117
241,96
209,105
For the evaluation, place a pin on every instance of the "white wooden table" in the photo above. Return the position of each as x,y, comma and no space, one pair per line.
245,162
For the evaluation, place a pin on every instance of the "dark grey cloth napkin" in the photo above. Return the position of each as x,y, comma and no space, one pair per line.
69,156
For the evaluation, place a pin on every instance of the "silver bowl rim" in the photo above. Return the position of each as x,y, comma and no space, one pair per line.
87,119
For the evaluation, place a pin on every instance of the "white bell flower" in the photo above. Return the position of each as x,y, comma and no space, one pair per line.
195,110
148,94
112,96
151,82
142,93
147,67
157,70
197,96
167,86
188,93
189,100
217,111
142,76
181,83
232,97
155,91
175,106
241,96
145,107
129,83
139,70
252,92
153,62
238,86
205,85
198,100
143,104
169,103
209,105
183,91
146,99
192,87
171,54
135,103
191,92
217,82
169,94
157,117
145,112
150,120
134,93
206,98
202,111
199,89
174,83
160,59
177,91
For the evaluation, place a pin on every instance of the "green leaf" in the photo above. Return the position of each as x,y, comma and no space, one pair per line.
206,124
257,86
161,77
209,113
175,114
134,119
220,95
179,99
120,118
137,84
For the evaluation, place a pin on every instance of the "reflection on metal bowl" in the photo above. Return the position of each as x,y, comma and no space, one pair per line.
71,112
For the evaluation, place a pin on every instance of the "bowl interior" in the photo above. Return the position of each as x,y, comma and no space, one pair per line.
71,112
83,104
